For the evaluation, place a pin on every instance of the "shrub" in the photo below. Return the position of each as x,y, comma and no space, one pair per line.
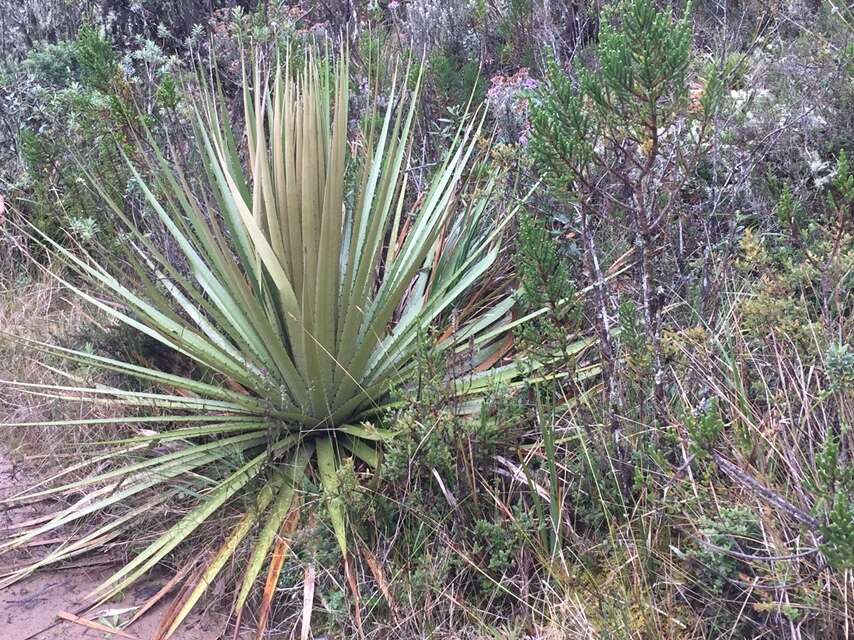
604,138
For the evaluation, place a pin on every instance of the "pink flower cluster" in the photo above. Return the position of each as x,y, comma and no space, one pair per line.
510,87
508,99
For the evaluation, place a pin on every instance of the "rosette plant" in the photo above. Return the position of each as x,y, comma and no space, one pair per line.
308,275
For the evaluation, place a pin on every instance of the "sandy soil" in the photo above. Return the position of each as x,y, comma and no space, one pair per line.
29,608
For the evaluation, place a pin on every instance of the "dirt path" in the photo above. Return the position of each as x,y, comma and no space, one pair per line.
29,608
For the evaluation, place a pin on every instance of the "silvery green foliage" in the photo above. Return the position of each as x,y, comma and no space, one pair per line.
435,23
839,364
84,228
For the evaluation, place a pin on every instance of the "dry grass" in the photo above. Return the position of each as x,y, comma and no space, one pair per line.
41,310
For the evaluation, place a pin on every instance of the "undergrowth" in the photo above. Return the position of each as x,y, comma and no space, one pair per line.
702,488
